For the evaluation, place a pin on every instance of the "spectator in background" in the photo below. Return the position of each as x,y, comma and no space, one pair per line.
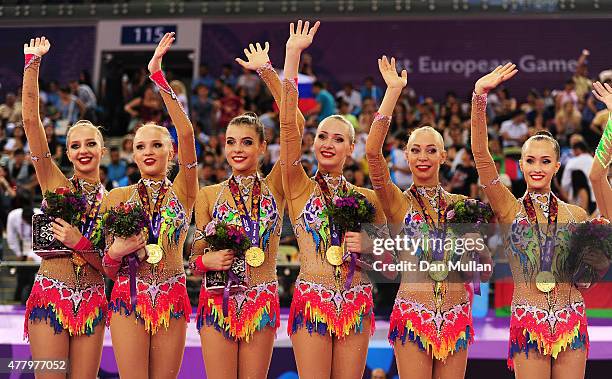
203,109
70,110
581,161
514,131
20,171
53,96
370,91
582,194
352,97
181,93
398,164
582,83
87,97
326,105
127,149
7,194
250,82
55,146
104,178
10,111
204,79
117,168
306,66
568,94
19,240
344,111
145,108
540,110
465,177
367,114
17,141
567,122
230,105
227,76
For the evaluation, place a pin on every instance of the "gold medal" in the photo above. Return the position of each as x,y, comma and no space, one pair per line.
334,255
255,256
438,271
155,253
545,281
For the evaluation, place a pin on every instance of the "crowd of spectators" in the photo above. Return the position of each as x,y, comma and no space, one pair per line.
126,101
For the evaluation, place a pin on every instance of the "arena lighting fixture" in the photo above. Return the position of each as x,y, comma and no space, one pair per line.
374,6
92,9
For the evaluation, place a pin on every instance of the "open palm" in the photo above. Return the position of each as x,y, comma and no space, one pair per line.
37,46
162,48
389,73
300,37
256,56
495,78
603,93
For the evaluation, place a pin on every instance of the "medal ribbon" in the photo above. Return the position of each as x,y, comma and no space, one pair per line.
546,250
155,218
335,233
88,220
328,198
440,229
250,223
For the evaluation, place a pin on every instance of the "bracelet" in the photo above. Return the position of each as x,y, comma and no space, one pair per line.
161,82
190,165
36,158
493,182
294,83
480,101
29,59
380,116
266,67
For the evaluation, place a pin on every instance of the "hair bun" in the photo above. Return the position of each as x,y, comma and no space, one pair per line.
251,114
544,133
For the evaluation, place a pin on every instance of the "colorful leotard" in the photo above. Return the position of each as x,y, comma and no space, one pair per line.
162,292
320,301
67,301
437,318
547,323
161,287
257,306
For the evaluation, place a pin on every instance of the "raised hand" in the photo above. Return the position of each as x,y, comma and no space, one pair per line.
603,93
160,50
256,56
37,46
495,78
389,73
300,37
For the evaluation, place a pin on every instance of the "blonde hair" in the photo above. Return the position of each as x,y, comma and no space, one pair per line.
342,119
423,129
543,135
85,124
178,87
166,138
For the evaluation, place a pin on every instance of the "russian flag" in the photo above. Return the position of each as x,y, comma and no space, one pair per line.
307,100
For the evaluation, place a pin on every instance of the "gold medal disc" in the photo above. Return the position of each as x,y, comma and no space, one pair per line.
545,281
254,256
438,271
334,255
155,253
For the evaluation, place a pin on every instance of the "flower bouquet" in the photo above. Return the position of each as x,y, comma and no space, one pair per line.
61,203
349,211
469,216
126,220
221,236
590,251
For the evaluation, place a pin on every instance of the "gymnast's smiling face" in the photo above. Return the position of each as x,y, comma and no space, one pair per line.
334,143
153,151
85,149
244,147
425,154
